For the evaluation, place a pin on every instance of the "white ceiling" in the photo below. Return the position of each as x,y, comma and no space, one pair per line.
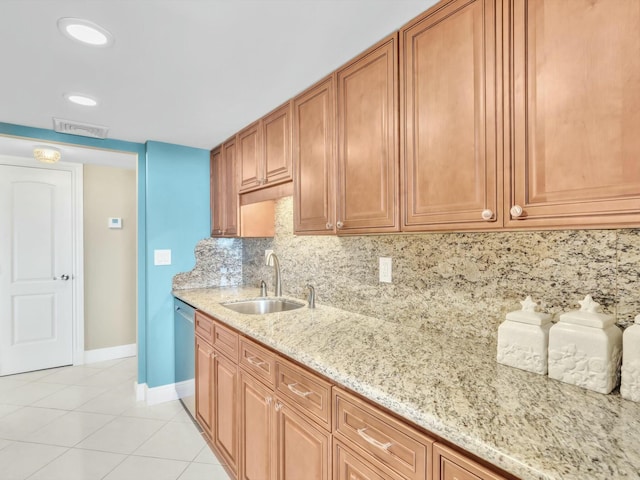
189,72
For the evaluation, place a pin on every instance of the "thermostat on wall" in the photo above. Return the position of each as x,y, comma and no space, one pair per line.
115,222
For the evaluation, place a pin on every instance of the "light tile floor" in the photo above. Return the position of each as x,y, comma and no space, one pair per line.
83,423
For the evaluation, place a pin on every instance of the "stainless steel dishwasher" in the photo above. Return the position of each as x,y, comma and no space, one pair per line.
184,316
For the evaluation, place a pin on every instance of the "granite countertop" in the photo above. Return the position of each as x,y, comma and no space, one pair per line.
526,424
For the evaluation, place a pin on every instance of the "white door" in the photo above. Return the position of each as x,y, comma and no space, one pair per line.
36,324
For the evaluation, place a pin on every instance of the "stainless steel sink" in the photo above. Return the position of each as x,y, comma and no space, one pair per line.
261,306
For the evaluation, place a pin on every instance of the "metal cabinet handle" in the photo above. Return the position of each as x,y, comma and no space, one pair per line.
300,393
339,225
516,211
487,215
255,363
373,441
63,277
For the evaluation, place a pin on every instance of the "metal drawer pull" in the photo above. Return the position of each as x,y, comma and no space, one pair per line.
373,441
252,361
300,393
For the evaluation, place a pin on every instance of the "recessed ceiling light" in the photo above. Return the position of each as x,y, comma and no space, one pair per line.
81,99
85,31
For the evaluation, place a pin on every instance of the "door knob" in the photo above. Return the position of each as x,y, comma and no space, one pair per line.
64,277
516,211
487,215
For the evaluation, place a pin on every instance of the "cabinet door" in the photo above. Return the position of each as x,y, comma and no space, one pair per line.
276,145
203,382
217,192
450,165
368,168
257,446
225,401
451,465
576,112
304,451
230,189
249,158
313,159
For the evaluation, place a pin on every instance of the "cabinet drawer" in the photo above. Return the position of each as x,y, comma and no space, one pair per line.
204,327
451,465
396,445
349,465
306,391
225,340
258,361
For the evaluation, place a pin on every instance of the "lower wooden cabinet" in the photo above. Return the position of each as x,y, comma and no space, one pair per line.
204,381
258,452
225,401
270,419
304,450
451,465
349,465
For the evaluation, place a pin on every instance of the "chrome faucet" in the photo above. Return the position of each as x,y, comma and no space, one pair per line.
276,264
263,288
312,296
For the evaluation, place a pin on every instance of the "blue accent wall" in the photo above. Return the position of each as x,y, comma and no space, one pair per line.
177,218
173,213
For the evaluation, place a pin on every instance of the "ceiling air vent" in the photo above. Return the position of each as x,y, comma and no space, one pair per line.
77,128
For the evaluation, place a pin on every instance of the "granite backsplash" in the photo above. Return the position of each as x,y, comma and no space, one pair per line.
464,282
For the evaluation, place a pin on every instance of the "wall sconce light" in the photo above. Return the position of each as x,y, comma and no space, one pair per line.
46,154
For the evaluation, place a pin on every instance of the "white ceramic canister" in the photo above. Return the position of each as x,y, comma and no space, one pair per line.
630,384
523,338
585,348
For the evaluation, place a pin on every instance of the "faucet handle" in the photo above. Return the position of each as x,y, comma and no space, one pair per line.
312,295
263,288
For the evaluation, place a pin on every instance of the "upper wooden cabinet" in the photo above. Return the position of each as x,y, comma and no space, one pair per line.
368,166
451,170
249,157
574,138
314,159
224,190
276,146
264,150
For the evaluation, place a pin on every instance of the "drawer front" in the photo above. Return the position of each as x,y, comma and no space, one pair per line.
305,391
396,445
348,465
204,327
225,341
451,465
258,361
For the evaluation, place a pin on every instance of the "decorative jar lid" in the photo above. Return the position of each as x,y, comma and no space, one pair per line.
589,315
528,314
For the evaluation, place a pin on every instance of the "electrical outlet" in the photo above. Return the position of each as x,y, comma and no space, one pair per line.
266,256
385,269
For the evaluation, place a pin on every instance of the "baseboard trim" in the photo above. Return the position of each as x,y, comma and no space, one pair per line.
186,388
155,395
110,353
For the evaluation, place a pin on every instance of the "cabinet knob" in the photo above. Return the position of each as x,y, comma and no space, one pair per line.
339,225
516,211
278,406
217,232
267,400
487,215
329,226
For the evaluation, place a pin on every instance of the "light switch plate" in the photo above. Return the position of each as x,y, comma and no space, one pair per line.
162,257
385,269
114,222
